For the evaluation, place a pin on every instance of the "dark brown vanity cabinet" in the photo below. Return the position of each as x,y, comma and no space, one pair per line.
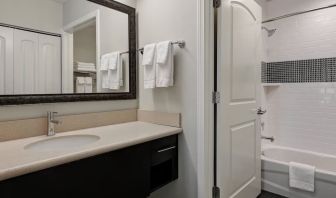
132,172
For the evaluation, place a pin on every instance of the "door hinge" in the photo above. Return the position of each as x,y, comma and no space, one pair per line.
217,3
215,192
215,97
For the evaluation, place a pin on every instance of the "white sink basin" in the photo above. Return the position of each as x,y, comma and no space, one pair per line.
62,142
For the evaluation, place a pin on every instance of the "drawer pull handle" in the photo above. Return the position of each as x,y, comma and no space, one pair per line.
167,149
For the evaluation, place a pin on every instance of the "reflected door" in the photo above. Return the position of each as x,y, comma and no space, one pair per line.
37,63
25,62
239,78
49,65
6,61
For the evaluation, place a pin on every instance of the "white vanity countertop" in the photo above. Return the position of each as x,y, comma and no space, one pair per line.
15,160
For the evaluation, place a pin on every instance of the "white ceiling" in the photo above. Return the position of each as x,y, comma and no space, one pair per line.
61,1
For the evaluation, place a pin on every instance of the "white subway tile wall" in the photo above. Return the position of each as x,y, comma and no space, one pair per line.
303,115
306,36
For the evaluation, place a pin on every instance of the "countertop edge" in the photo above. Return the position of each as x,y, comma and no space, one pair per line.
68,158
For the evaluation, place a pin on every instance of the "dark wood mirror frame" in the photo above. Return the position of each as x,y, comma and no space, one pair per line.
56,98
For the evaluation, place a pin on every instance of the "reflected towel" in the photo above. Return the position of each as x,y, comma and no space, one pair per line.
115,76
88,85
104,67
80,85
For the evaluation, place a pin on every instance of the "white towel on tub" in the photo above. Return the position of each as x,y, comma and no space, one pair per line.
301,176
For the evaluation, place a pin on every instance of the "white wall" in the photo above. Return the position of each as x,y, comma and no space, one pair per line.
305,36
85,45
47,16
275,8
37,110
172,20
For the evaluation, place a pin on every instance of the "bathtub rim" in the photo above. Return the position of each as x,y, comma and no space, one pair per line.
319,173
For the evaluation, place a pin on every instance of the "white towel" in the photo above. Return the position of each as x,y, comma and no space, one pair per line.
301,176
164,64
115,75
121,70
148,56
86,69
104,69
88,85
149,66
113,62
85,64
80,85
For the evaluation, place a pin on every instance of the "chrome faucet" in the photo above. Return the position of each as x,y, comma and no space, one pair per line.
270,138
51,123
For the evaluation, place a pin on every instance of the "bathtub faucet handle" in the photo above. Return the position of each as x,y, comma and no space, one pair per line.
270,138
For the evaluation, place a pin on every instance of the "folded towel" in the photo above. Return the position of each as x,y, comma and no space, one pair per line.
104,62
162,53
104,67
80,85
113,62
149,66
86,69
115,76
301,176
164,64
88,85
84,64
148,56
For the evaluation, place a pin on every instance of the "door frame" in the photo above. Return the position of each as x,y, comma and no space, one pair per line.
67,48
205,107
205,87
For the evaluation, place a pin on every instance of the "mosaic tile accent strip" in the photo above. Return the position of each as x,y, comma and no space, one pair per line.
300,71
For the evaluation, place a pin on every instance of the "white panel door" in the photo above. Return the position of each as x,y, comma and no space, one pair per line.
238,81
6,61
25,62
49,69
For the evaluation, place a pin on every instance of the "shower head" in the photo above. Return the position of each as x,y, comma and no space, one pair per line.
269,32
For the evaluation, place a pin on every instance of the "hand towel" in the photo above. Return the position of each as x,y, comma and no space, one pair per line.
301,176
88,85
164,64
149,66
148,56
104,69
121,68
113,62
80,85
115,74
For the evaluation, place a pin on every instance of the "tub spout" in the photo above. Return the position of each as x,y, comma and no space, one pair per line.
270,138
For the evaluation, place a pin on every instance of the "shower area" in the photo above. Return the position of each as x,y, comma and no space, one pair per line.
299,94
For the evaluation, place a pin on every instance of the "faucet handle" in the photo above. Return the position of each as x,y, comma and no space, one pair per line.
52,113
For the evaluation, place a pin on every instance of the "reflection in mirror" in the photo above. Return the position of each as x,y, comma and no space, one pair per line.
62,46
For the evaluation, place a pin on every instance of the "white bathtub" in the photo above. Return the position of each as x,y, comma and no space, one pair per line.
275,176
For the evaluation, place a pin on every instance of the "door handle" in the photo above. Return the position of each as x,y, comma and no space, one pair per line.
261,112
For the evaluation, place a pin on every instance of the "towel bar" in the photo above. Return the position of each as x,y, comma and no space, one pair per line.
180,43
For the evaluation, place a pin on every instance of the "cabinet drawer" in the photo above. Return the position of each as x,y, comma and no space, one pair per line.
164,164
164,149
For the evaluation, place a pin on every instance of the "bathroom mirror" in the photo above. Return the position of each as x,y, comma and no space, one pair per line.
66,50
